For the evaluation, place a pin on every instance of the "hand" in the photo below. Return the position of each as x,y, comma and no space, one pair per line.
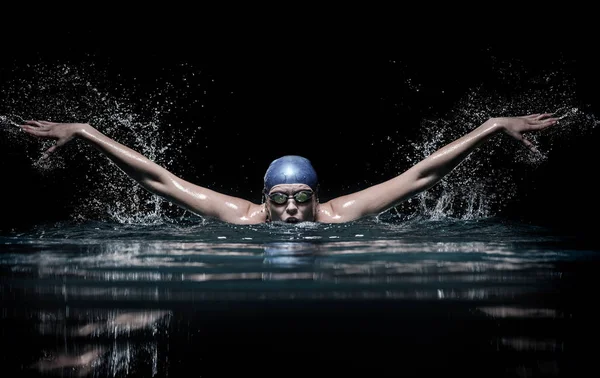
516,126
62,132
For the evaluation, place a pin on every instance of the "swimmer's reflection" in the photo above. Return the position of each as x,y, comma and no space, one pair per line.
113,343
289,254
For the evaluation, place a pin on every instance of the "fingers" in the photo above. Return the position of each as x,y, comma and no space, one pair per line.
59,143
530,145
43,129
35,131
49,151
39,123
526,142
539,122
37,128
33,123
543,123
542,116
538,116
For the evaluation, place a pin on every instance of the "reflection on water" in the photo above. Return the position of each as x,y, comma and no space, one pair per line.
168,271
108,341
114,302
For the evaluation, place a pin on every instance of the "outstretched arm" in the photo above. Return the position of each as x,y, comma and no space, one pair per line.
150,175
429,171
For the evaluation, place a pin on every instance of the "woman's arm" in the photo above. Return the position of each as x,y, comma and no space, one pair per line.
429,171
150,175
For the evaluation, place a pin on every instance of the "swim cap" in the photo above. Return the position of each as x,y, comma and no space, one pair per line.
290,169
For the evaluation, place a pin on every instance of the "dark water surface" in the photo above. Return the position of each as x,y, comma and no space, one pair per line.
484,297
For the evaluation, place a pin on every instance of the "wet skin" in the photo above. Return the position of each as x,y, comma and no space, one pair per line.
291,211
370,201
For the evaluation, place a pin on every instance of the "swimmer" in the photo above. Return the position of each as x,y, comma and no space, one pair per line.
291,186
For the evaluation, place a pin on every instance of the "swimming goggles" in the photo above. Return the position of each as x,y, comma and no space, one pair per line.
300,197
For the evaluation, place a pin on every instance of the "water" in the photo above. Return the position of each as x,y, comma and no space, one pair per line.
100,278
486,297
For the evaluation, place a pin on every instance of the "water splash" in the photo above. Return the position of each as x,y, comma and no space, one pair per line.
10,121
484,182
83,93
476,189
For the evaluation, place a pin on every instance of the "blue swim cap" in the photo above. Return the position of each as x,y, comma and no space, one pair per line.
291,169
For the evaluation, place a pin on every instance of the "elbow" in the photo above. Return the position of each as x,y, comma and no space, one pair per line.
157,184
154,187
426,181
429,176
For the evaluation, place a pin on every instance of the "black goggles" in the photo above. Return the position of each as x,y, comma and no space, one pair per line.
300,197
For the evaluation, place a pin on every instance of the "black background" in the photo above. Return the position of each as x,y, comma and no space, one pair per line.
332,95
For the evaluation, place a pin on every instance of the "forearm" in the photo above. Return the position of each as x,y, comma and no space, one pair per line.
134,164
432,169
444,160
160,181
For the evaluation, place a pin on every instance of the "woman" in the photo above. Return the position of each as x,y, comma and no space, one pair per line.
291,184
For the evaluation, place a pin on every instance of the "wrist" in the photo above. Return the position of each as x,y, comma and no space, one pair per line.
494,125
81,129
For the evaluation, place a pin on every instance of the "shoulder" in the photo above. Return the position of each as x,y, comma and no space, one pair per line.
326,214
256,214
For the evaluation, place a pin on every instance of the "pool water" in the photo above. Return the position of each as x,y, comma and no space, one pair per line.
487,297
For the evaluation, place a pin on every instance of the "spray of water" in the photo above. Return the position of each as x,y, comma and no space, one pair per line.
476,189
488,178
68,93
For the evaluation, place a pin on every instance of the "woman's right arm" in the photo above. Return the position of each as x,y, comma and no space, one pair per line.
150,175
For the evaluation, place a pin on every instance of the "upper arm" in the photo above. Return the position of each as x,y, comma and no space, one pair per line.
374,199
207,202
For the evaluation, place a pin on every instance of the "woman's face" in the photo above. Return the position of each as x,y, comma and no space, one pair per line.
297,203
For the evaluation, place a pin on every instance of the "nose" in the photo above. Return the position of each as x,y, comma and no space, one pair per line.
291,207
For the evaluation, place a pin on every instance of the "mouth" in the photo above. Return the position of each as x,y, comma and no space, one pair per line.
292,220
